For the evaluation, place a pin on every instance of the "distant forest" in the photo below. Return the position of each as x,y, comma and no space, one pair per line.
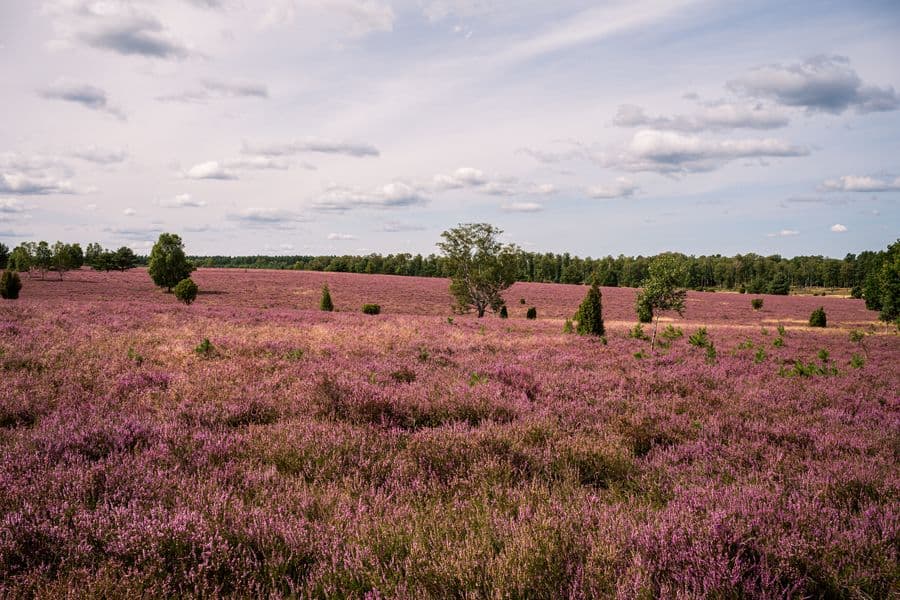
748,272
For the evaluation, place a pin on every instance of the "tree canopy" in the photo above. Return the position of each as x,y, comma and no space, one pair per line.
663,290
480,265
168,264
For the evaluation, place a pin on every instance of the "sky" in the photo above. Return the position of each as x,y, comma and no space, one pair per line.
358,126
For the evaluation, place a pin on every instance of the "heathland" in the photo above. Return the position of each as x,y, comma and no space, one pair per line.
251,445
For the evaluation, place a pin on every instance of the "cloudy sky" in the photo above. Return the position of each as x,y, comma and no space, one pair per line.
353,126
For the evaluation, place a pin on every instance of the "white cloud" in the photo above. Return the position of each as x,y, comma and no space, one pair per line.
399,226
822,83
462,177
672,152
854,183
210,170
397,194
20,183
267,218
784,233
621,188
526,207
311,144
341,236
353,18
838,228
11,205
100,156
129,212
714,116
213,88
182,201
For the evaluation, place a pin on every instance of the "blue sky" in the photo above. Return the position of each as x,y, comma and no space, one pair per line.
353,126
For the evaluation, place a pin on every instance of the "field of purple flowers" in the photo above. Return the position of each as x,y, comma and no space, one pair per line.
310,454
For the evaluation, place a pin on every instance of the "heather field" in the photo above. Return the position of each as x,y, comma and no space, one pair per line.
341,455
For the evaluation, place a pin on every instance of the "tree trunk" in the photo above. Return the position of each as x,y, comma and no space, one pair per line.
653,339
481,308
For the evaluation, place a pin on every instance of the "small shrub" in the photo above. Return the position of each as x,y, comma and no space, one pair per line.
521,300
756,303
637,333
325,303
760,356
782,331
476,378
504,314
742,289
823,355
856,292
404,375
449,320
857,361
10,285
186,290
778,342
205,349
532,313
423,355
671,333
711,353
295,354
590,313
817,318
699,338
640,354
371,309
137,358
568,327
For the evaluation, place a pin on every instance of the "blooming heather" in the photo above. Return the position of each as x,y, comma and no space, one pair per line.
320,454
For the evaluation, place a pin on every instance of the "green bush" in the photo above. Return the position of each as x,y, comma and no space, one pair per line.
186,290
205,349
671,333
325,303
10,285
699,338
371,309
532,313
590,313
504,314
756,303
637,333
568,327
644,310
817,318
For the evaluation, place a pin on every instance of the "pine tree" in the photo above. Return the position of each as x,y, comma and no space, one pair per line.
590,313
325,303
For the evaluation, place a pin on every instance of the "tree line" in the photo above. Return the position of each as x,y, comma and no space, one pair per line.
751,273
41,257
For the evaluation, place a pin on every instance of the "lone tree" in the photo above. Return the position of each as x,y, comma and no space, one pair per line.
325,303
168,265
10,285
664,289
590,313
481,266
890,284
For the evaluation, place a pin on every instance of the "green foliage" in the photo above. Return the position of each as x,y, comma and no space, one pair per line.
890,284
699,338
531,313
504,313
205,349
522,301
640,354
818,318
325,303
168,264
711,354
856,292
476,378
590,313
568,327
857,361
801,369
105,260
637,333
760,356
823,355
295,354
371,309
10,285
134,356
671,333
644,310
4,256
480,266
872,290
781,330
778,342
756,303
186,290
780,285
403,375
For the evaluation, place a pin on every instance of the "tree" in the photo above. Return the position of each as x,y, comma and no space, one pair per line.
890,284
480,266
4,256
124,258
42,257
10,284
325,303
186,290
590,313
20,259
818,318
663,289
66,257
92,255
168,265
780,284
